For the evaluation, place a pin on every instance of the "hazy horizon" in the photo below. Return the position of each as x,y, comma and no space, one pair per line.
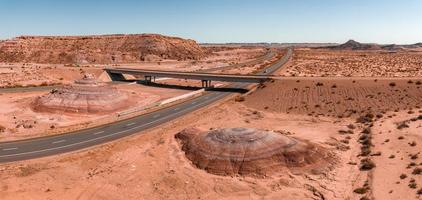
219,21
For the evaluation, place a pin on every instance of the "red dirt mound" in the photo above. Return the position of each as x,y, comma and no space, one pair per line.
247,151
97,49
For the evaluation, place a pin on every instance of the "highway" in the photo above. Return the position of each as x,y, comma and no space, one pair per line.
53,145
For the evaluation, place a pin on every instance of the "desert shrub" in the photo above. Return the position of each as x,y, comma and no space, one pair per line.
392,84
402,125
361,190
319,84
413,185
403,176
365,151
365,119
366,131
417,171
412,144
366,164
44,84
351,126
239,98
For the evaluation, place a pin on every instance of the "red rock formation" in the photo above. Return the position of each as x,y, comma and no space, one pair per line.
85,96
248,151
97,49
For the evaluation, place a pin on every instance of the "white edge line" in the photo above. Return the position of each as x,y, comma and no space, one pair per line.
130,124
10,149
58,141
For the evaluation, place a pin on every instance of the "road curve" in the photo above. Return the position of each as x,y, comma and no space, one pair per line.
52,145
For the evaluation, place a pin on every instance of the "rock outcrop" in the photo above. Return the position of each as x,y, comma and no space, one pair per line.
104,49
85,96
246,151
353,45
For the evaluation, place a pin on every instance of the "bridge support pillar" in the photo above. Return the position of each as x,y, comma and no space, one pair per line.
204,83
148,79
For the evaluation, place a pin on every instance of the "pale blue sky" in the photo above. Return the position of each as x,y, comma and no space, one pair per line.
382,21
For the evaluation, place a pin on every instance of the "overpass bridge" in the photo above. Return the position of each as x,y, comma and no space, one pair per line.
206,78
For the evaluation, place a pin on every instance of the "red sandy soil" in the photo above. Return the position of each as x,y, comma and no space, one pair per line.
307,62
337,97
400,157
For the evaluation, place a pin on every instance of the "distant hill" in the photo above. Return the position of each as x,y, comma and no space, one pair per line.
273,45
353,45
98,49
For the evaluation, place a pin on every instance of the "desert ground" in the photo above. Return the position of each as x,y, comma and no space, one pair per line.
347,125
353,63
151,165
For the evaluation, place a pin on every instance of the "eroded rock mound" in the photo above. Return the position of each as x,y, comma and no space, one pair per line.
353,45
84,96
98,49
247,151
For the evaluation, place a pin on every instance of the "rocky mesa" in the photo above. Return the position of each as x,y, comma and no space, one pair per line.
102,49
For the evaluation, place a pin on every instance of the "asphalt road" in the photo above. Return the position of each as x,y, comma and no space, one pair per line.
52,145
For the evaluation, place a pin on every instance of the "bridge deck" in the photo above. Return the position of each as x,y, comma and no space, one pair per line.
191,75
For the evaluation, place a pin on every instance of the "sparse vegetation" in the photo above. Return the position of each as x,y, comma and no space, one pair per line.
239,98
319,84
366,164
361,190
417,171
402,125
403,176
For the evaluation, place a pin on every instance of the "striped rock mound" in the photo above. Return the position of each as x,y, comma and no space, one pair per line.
85,96
247,151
